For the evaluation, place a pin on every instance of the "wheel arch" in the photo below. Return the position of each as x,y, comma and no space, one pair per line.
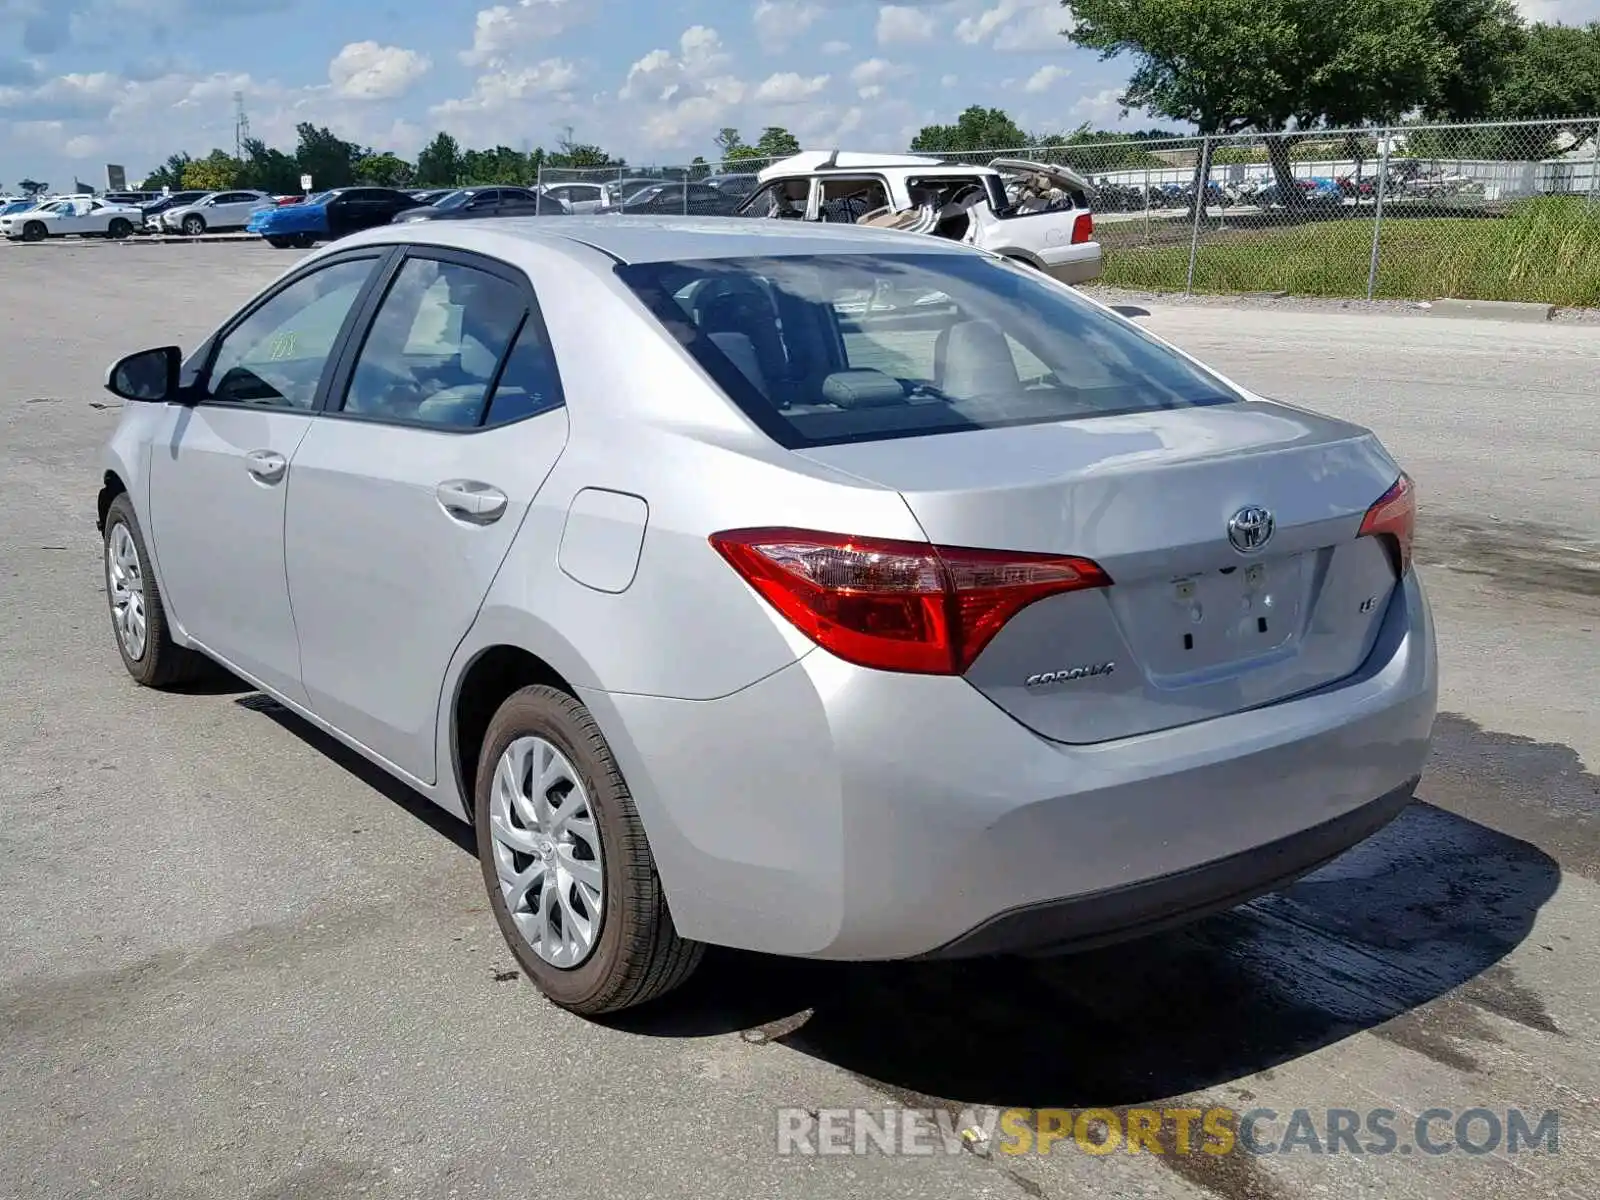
494,673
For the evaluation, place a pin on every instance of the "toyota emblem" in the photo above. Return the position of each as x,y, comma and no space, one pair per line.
1250,529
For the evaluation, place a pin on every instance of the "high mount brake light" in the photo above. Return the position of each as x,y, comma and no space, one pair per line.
1394,517
894,605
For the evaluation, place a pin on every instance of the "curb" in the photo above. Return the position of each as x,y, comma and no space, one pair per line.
1493,310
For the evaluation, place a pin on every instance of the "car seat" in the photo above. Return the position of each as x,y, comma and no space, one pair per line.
748,315
973,358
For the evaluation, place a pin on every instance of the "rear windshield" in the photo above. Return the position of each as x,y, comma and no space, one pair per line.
819,350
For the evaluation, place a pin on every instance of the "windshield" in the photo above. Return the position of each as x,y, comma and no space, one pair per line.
319,197
861,347
451,199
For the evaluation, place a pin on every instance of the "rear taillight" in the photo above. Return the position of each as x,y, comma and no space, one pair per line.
897,606
1083,229
1394,518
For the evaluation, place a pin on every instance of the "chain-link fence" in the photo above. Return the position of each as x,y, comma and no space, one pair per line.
1484,211
701,188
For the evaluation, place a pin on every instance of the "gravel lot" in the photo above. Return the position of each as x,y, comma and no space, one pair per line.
234,961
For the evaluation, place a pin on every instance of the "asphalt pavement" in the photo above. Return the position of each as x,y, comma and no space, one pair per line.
237,962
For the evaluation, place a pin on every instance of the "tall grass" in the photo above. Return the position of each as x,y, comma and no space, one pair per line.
1545,250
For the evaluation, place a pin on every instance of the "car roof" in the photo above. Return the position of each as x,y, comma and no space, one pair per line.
809,162
666,238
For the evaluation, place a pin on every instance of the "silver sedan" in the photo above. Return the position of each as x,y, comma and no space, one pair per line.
809,589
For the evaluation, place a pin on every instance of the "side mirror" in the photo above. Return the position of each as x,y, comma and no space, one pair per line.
150,375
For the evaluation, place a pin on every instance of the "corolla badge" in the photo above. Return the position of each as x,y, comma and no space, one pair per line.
1251,528
1069,674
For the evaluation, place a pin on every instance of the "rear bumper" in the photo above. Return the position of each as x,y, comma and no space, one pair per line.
836,812
1083,265
1151,905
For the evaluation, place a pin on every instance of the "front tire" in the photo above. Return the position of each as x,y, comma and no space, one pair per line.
34,231
138,617
570,876
280,241
193,226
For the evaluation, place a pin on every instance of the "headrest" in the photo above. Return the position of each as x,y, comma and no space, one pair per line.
862,388
973,358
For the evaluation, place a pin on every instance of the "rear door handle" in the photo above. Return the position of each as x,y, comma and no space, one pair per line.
470,501
266,465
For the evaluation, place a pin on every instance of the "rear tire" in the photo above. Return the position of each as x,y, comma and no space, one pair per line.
279,242
636,954
304,241
138,617
119,228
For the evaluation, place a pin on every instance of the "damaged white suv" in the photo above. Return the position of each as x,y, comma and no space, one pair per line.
1036,213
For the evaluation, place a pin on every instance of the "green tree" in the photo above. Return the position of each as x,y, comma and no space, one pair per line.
977,128
32,187
268,170
777,142
168,175
384,170
698,167
439,163
1277,66
572,155
1554,73
728,142
216,172
329,160
1486,38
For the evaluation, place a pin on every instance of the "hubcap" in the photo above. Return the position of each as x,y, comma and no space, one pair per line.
547,851
127,590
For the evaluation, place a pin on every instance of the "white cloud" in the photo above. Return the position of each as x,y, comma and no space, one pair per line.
789,87
368,71
1568,12
682,97
553,79
870,76
779,22
500,32
836,47
948,81
1045,78
1101,109
1027,26
900,24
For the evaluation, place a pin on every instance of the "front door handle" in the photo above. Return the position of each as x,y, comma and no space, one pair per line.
470,501
267,466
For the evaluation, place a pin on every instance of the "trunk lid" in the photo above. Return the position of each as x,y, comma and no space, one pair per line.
1191,627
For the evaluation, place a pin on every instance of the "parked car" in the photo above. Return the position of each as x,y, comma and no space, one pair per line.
80,217
138,199
738,184
153,210
616,192
693,199
475,202
213,212
578,197
12,207
728,618
1043,221
328,215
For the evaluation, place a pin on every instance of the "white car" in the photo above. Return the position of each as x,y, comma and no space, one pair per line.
80,215
1034,213
219,210
578,197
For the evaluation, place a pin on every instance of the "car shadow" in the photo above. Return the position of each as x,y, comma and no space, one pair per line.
1431,904
451,828
1131,311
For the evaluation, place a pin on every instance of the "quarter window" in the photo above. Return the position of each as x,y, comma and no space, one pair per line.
434,347
275,357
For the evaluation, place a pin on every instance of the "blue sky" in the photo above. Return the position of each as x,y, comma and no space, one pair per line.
86,82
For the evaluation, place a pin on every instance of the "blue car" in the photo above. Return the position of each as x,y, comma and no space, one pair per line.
328,215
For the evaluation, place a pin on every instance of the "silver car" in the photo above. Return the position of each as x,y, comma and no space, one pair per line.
219,210
808,589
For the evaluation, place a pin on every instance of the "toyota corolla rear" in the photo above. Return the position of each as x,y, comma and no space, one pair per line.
1141,647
